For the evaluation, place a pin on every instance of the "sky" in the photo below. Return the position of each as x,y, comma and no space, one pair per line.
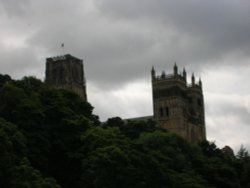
120,41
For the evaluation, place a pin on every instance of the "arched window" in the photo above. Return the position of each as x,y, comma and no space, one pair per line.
190,100
167,111
192,135
161,112
199,101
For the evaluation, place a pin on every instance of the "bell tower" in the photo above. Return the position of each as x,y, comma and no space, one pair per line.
178,106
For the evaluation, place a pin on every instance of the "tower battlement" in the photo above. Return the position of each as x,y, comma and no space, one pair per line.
178,106
175,77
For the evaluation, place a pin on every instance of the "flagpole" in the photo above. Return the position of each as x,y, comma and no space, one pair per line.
62,46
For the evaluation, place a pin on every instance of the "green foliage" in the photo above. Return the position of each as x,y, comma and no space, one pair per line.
12,147
210,149
97,137
15,169
114,122
243,166
11,97
242,153
49,138
131,129
29,84
4,79
108,167
25,176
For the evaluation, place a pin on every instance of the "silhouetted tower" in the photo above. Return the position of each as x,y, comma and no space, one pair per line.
179,106
66,72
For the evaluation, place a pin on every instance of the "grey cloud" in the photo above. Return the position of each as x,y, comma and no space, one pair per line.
230,106
129,35
121,40
228,120
19,63
214,28
14,8
116,52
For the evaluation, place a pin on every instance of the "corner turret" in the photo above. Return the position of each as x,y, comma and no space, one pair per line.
163,74
193,79
184,74
153,73
200,83
175,69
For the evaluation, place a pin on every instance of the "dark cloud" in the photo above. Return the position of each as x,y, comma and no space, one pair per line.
127,35
209,28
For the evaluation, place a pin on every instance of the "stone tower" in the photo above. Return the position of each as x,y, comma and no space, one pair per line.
179,106
66,72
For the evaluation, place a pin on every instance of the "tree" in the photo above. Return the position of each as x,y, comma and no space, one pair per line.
242,153
210,149
12,147
4,79
108,166
15,169
25,176
114,122
243,166
11,96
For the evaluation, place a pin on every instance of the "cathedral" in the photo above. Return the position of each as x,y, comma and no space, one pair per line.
177,105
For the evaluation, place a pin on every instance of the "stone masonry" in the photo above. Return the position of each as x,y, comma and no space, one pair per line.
66,72
178,106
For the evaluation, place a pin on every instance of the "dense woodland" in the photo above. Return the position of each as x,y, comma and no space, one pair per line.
50,139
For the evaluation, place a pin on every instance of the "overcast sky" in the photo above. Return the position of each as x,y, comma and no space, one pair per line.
120,41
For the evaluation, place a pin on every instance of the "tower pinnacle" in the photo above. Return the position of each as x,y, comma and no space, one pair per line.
153,72
184,74
200,83
175,69
193,79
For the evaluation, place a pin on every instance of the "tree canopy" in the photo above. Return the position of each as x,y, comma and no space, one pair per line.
50,138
